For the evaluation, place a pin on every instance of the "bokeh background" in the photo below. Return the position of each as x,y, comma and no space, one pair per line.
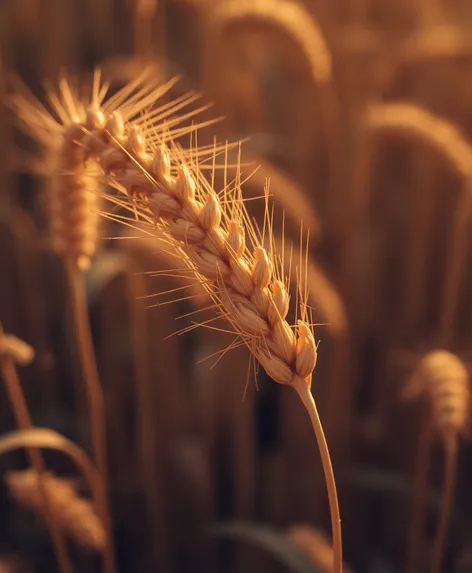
186,452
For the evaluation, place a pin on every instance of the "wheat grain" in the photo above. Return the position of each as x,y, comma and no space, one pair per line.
74,514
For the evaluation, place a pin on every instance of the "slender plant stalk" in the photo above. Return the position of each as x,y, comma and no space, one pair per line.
456,265
447,496
36,460
94,397
423,459
303,389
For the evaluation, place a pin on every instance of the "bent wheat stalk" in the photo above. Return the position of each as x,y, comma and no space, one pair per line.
13,350
292,22
442,377
164,185
407,119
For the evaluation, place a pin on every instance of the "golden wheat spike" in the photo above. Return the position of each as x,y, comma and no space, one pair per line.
164,187
74,514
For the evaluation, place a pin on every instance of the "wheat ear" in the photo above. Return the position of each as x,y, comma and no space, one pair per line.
75,515
408,119
72,201
165,185
442,377
14,350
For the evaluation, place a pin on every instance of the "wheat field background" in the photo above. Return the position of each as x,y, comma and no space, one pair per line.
359,113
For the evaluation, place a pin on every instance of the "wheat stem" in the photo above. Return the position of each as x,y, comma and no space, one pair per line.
303,389
94,396
456,265
423,460
36,460
447,496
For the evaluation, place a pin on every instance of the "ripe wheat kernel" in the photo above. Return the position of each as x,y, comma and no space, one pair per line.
133,143
74,514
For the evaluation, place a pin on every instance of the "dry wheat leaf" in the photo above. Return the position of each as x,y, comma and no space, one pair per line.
49,439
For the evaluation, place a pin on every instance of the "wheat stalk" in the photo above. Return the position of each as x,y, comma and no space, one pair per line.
164,184
13,350
417,122
295,23
443,378
74,514
291,18
407,119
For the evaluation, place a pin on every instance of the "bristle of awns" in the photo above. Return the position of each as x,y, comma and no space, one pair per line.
208,233
75,515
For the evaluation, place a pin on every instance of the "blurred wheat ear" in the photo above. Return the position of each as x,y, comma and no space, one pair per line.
25,484
75,515
14,351
443,379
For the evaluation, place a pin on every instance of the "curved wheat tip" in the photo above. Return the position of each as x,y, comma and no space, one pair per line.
443,378
75,515
15,348
437,42
407,119
290,18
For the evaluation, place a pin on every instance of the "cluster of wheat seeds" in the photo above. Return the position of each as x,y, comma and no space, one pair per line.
134,145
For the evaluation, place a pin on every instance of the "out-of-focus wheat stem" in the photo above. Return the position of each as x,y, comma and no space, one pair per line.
303,390
447,496
423,459
20,409
458,251
94,396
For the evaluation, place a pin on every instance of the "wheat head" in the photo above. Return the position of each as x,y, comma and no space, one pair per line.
138,154
443,378
74,514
